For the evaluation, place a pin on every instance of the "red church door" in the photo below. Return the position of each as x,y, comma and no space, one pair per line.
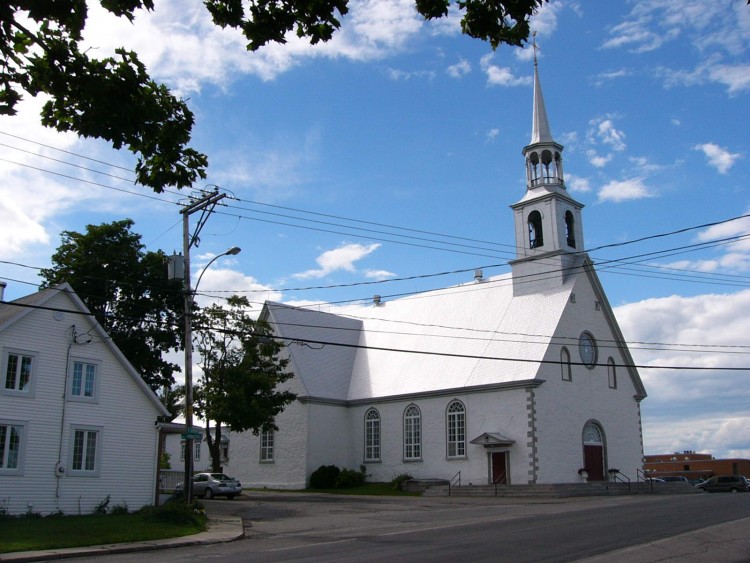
593,451
499,468
594,462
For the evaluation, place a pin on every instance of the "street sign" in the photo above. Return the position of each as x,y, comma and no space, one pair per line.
192,434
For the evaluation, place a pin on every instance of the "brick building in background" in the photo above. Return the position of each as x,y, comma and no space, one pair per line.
694,466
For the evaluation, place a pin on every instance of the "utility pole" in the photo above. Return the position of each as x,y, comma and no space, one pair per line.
201,204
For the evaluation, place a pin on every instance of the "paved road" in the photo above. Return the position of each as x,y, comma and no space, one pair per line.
301,527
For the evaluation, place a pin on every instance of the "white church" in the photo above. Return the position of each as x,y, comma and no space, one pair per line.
523,378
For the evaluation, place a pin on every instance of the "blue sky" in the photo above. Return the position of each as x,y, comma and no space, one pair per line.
394,151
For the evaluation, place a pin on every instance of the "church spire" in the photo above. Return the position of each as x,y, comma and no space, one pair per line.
540,130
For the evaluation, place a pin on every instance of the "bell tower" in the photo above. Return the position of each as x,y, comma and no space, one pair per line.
549,234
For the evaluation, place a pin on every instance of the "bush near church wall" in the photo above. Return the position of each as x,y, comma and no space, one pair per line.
330,477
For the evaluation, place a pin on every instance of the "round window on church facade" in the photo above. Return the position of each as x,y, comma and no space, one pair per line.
587,349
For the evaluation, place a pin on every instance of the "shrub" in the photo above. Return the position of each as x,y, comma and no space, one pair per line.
399,479
102,507
350,478
119,509
324,477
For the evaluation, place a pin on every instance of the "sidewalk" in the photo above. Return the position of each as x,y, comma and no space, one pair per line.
219,530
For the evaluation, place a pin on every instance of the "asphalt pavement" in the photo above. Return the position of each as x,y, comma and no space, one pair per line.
727,542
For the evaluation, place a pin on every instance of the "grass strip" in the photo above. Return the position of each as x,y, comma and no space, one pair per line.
36,533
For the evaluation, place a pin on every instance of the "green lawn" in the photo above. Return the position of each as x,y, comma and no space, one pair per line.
30,533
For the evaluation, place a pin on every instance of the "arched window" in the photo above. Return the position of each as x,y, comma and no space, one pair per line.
611,373
536,238
456,429
412,433
372,435
570,229
533,169
567,373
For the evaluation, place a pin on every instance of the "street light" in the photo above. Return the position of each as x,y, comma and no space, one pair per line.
189,293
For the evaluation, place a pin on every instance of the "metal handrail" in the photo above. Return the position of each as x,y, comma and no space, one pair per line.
456,477
621,477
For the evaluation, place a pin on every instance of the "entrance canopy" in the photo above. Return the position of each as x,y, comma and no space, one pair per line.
490,439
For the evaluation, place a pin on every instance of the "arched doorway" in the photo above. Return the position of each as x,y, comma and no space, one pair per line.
593,451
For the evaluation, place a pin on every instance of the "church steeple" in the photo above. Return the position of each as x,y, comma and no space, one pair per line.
547,220
540,130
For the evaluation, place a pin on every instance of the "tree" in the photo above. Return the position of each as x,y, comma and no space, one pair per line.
115,99
127,291
242,370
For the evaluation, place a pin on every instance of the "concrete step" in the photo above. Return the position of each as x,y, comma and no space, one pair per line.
559,490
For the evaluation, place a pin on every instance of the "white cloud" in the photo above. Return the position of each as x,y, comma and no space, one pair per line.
219,282
378,274
461,68
396,74
578,184
603,77
618,191
181,46
603,131
501,76
718,157
597,160
341,258
692,409
492,134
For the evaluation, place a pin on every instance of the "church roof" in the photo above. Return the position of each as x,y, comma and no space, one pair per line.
465,336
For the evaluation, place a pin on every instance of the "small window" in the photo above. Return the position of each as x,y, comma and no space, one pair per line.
85,451
266,446
11,447
18,372
456,423
565,368
412,433
83,381
372,435
536,237
196,450
612,373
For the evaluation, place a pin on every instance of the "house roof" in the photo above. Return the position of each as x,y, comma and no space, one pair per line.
465,336
13,311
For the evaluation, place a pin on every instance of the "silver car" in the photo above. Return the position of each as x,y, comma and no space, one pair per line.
210,485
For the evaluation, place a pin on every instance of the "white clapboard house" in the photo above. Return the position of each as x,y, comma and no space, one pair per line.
77,422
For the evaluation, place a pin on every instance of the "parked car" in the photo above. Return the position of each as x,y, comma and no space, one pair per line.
210,485
674,479
724,484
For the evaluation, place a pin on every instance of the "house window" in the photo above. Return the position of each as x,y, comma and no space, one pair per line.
19,367
567,372
11,443
85,451
611,373
536,238
266,446
83,381
196,450
372,435
456,421
412,433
